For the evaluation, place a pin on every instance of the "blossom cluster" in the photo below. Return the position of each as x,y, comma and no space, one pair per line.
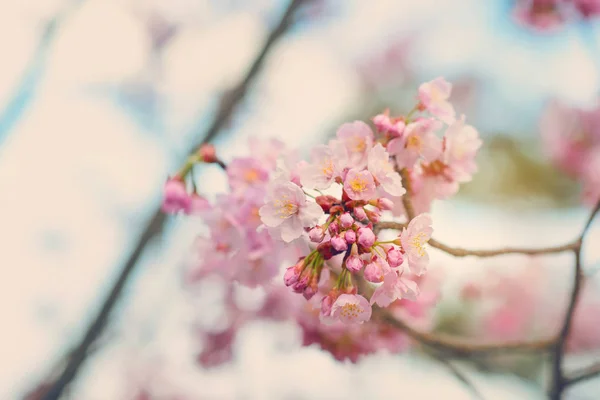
548,15
336,199
322,215
571,138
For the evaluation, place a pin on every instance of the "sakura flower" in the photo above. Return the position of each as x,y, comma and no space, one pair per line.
357,138
382,169
321,173
288,211
359,185
434,95
351,309
418,141
385,124
197,205
413,240
176,197
246,172
376,270
461,145
394,287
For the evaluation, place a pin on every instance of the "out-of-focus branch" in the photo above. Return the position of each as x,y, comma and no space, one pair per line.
583,374
461,376
463,347
460,252
229,102
559,381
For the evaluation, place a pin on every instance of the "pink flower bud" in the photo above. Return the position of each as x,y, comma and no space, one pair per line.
326,202
395,257
354,263
374,215
360,213
301,283
339,243
366,238
207,153
316,234
374,272
385,204
291,276
350,237
175,197
327,303
312,288
334,228
346,221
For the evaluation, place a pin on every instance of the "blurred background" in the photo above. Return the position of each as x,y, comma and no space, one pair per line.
100,100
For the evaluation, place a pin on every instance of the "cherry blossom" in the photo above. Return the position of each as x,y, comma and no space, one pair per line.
434,98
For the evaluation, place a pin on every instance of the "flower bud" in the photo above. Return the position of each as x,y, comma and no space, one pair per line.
385,204
346,221
360,213
395,257
373,272
207,153
366,238
350,237
175,197
334,228
326,202
197,205
316,234
339,244
354,263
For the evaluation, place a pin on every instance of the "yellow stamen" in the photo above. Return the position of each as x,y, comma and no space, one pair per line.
418,242
350,310
358,185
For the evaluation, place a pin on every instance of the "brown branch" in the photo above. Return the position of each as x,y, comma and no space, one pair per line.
460,346
229,102
406,202
559,381
583,374
460,252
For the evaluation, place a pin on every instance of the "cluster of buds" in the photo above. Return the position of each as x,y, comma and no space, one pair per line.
336,200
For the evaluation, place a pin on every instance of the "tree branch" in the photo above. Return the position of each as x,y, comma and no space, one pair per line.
462,347
229,102
583,374
460,252
559,381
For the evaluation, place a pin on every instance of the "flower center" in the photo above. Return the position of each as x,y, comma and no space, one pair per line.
418,242
285,208
251,175
414,142
327,167
351,310
436,168
358,144
358,185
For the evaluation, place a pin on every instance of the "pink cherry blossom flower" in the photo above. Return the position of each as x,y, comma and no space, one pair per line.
246,172
359,185
288,211
176,197
434,95
351,309
321,172
395,257
383,171
461,145
413,240
357,138
394,287
418,142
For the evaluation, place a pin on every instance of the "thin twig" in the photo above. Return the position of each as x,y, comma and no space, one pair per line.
583,374
559,381
461,376
460,346
228,104
406,202
460,252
